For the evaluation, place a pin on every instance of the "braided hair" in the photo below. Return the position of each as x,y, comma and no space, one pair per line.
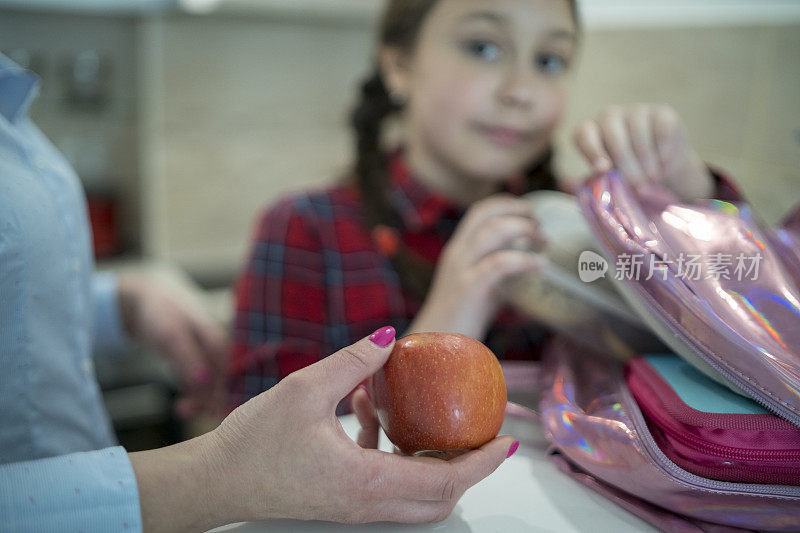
400,28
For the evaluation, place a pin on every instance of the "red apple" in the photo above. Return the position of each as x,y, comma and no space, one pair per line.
440,392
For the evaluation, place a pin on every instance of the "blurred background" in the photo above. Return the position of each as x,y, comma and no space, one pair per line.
185,118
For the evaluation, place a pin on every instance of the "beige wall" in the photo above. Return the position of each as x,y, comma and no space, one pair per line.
249,108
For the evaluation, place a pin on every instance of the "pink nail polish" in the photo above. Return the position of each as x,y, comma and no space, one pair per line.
365,389
513,449
383,337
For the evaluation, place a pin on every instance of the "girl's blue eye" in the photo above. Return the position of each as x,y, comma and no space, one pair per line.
483,49
551,64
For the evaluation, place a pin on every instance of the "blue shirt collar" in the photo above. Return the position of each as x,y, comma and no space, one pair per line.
18,88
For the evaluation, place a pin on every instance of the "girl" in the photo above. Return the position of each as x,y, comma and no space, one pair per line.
419,236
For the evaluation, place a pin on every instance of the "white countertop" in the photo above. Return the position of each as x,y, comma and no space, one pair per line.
527,493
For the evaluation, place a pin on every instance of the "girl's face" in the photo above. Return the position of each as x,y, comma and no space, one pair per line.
485,85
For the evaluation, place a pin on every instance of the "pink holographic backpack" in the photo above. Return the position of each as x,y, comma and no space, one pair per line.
712,445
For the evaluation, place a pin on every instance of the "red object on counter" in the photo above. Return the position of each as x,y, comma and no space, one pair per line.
103,219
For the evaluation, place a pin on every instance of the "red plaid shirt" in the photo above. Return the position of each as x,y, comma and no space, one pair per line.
315,281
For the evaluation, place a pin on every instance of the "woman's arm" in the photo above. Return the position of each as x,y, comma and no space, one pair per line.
176,489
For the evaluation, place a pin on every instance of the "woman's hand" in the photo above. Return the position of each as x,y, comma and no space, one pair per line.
284,454
464,296
645,143
194,344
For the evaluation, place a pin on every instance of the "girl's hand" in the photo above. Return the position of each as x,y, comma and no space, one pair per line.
477,259
284,454
646,143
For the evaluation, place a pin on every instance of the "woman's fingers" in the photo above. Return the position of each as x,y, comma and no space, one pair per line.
337,375
427,489
365,412
213,346
431,479
186,356
187,406
412,512
214,342
475,465
424,489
